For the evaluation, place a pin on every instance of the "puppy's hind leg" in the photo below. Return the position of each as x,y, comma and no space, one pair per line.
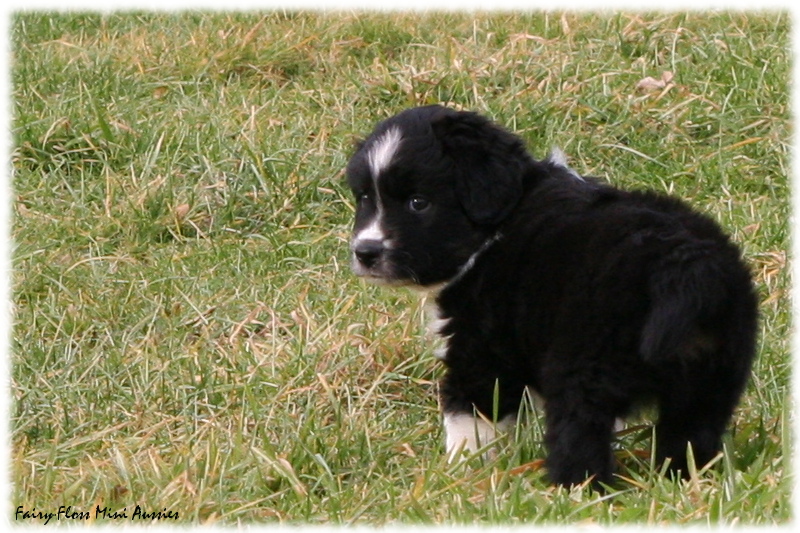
700,341
696,411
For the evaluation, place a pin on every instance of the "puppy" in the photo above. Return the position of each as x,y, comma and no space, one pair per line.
599,300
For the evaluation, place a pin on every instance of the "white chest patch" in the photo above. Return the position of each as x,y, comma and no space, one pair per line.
436,324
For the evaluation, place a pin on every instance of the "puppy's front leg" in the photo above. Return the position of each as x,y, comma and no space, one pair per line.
578,440
465,432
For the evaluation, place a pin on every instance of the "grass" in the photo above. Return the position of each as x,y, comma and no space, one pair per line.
187,337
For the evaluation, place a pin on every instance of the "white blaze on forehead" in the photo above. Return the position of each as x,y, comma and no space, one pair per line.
379,157
373,232
383,150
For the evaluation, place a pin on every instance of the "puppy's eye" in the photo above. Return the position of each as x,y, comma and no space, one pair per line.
418,204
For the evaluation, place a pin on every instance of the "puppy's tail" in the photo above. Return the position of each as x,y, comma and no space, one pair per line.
701,297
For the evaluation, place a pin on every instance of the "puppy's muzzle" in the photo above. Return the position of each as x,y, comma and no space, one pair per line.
368,252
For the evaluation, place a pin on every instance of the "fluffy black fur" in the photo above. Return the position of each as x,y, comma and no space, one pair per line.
596,298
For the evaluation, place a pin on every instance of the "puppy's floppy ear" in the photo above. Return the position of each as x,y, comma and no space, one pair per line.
489,162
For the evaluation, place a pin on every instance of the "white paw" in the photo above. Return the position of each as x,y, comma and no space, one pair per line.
467,433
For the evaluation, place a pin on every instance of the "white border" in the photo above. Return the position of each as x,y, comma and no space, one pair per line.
12,6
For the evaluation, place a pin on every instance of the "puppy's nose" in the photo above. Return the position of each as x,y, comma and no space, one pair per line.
368,251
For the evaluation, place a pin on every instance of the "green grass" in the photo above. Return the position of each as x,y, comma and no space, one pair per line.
187,335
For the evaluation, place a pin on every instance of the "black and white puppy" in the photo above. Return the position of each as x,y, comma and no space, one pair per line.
599,300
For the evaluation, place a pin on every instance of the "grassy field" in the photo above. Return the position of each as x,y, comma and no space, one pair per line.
188,338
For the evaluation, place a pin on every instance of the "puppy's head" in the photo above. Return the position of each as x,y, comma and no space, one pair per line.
431,186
